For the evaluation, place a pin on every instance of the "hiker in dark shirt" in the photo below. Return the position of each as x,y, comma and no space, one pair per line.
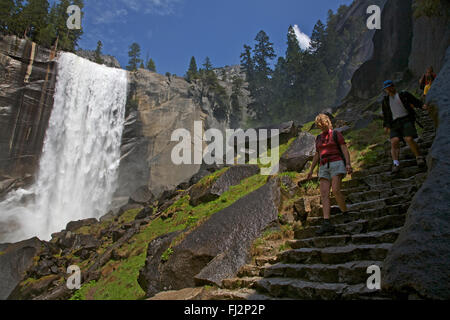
399,120
334,160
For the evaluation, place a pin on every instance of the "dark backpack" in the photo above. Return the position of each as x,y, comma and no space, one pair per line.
335,139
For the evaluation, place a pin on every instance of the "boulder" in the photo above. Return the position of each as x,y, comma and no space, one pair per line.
15,260
419,262
216,249
75,225
141,195
299,153
209,191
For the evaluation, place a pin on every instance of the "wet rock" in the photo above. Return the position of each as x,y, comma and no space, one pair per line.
216,249
299,153
15,260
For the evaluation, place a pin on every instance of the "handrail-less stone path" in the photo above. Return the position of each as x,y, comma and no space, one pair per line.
335,266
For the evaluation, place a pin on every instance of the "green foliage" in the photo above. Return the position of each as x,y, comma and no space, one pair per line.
431,8
98,53
304,81
192,72
39,22
134,54
166,254
151,65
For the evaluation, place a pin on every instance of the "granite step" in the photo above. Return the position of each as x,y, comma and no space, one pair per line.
375,237
306,290
354,272
336,255
355,227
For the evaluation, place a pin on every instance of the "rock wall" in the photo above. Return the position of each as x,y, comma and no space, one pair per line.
419,262
431,37
27,82
362,48
392,47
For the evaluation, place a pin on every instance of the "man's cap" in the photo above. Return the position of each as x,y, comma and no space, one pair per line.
387,84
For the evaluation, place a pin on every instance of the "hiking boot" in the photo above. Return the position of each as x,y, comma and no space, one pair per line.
395,169
420,162
334,210
326,227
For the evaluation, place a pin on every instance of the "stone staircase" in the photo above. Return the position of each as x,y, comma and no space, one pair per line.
335,266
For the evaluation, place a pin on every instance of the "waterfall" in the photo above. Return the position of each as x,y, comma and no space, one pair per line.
78,168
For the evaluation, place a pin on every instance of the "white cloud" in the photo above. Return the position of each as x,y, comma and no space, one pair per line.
302,38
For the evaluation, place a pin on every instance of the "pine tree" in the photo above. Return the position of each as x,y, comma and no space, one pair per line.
98,53
192,72
7,10
207,64
33,18
134,53
236,109
151,65
247,62
263,52
261,89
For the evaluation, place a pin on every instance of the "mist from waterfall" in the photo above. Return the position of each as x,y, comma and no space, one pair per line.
78,168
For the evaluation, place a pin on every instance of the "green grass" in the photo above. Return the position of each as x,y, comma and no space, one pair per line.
166,254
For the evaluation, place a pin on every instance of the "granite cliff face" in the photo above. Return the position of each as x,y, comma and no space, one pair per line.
157,106
431,38
392,47
27,82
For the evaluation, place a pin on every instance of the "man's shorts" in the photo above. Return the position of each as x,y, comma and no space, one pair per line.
403,127
335,168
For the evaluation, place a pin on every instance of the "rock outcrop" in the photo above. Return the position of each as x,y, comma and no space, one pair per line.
15,259
217,248
231,177
108,60
419,261
27,82
157,106
392,48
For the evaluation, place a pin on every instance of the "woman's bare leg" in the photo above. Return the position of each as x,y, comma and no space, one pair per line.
336,183
325,196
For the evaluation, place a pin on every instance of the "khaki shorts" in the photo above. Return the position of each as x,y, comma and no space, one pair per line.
336,168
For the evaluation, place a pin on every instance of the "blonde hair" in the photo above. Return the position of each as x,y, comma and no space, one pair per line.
323,118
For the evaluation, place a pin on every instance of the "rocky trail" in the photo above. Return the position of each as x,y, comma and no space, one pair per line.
335,266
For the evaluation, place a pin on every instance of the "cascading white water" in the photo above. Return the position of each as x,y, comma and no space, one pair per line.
79,164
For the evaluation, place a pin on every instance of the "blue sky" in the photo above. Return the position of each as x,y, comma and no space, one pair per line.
171,31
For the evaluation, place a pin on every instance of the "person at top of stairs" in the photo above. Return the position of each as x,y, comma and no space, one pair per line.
399,120
334,163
